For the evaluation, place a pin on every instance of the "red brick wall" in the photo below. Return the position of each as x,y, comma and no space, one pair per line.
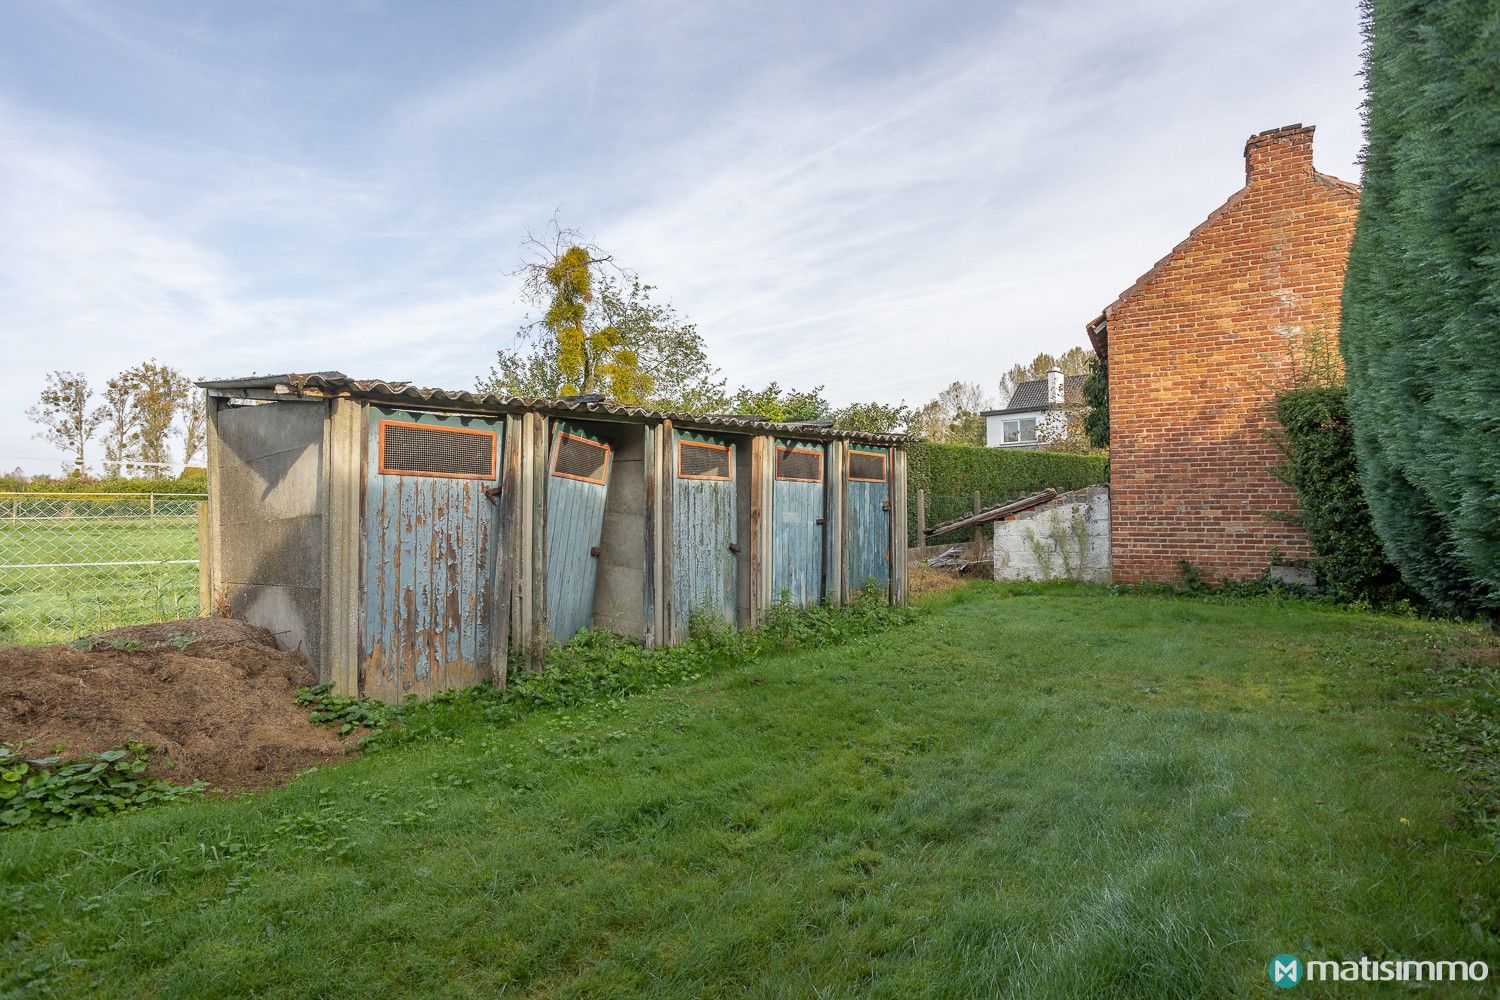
1198,349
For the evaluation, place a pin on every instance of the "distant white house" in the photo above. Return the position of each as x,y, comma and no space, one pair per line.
1039,413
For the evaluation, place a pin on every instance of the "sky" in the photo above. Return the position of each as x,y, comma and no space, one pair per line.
879,198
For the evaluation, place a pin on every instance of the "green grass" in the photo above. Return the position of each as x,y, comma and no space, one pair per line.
60,603
1038,791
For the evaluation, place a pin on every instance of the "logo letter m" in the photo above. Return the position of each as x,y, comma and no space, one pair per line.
1285,971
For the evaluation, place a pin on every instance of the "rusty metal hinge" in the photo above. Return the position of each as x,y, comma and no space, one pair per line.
734,547
595,551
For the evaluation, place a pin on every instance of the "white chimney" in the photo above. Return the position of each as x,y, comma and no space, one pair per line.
1054,386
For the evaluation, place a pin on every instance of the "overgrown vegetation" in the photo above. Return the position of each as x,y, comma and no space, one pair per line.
1319,442
952,472
51,790
598,666
194,481
1096,398
1421,313
1034,790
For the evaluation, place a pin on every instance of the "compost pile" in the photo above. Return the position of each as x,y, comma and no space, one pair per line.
213,697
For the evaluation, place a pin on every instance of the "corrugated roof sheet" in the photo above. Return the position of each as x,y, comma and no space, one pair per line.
321,384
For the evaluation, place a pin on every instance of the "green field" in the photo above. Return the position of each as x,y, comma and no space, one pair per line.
1035,791
57,603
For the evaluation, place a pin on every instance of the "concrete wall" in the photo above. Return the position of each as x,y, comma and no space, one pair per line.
270,543
620,592
1064,539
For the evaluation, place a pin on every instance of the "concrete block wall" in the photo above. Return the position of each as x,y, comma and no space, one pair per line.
1067,538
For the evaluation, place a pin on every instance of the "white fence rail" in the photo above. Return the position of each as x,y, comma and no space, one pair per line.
76,563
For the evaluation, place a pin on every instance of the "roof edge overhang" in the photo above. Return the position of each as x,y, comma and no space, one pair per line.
337,385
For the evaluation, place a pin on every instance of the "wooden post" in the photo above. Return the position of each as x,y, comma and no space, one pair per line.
921,517
205,560
151,506
977,502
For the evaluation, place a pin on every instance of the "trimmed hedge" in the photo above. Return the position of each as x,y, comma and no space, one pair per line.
1348,557
950,473
194,482
1421,311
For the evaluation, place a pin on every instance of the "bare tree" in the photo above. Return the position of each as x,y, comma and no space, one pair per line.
64,414
1073,361
194,426
953,417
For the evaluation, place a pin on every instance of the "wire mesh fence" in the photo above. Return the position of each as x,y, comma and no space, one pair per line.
76,563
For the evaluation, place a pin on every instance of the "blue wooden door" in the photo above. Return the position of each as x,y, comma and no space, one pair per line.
867,543
578,467
704,565
430,550
797,523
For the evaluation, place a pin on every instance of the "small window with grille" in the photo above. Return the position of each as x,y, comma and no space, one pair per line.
700,460
799,465
581,459
441,452
866,467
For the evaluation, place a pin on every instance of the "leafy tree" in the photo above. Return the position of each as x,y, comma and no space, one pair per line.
1096,398
158,393
776,403
601,331
1421,315
65,416
873,418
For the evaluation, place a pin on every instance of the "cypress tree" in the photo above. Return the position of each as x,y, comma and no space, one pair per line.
1421,314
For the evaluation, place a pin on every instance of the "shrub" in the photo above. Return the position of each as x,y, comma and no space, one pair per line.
1422,297
1348,557
952,472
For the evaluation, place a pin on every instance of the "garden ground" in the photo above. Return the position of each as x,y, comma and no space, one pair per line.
1043,791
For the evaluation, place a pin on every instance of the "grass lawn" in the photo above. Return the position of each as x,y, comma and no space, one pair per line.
64,597
1039,791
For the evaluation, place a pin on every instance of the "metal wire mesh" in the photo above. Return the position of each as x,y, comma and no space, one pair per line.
436,451
866,467
579,458
799,464
702,461
77,563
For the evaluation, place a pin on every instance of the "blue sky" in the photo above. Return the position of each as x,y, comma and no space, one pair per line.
880,198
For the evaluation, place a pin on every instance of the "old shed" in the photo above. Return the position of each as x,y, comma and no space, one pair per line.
411,540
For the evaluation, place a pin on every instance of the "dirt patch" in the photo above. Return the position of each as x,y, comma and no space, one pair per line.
213,695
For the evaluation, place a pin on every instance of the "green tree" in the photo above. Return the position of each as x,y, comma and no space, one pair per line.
601,331
953,417
1421,317
64,413
776,403
873,418
158,393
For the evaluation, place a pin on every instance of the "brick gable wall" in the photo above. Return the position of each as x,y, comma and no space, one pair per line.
1198,349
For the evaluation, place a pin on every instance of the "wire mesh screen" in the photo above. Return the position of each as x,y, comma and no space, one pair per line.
866,467
703,461
75,564
422,450
799,464
580,458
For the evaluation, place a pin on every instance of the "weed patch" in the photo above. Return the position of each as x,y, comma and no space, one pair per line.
50,791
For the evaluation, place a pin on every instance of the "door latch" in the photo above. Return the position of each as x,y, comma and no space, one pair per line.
886,506
491,493
820,520
594,552
734,547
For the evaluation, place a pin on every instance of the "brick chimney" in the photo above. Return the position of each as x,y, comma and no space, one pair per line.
1054,386
1279,154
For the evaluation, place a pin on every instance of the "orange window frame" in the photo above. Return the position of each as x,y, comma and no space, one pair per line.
885,467
683,442
801,451
387,470
609,456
